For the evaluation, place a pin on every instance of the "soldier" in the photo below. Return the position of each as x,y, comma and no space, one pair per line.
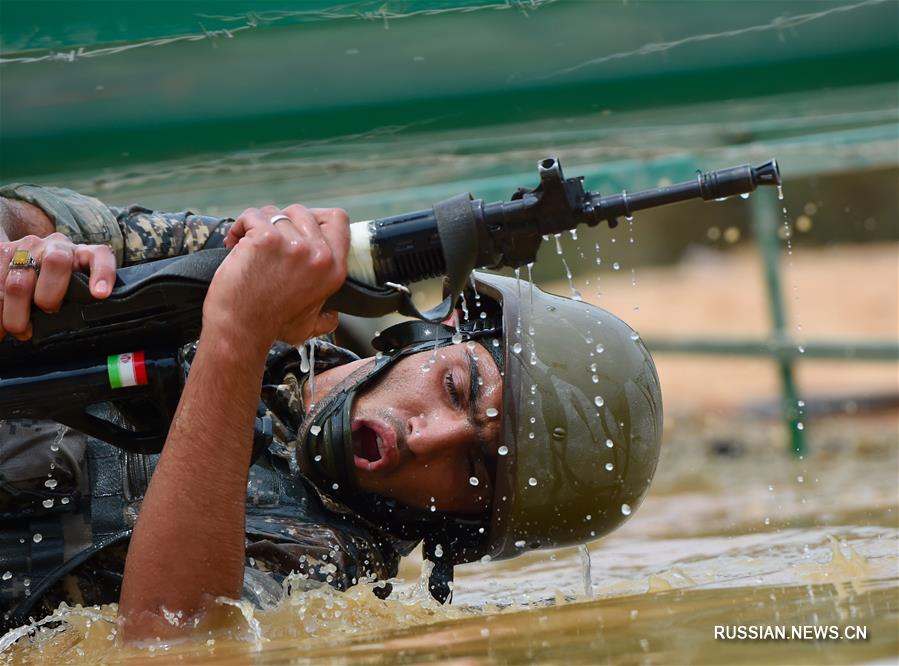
541,429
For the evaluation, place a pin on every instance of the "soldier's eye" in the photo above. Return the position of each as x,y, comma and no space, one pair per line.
450,384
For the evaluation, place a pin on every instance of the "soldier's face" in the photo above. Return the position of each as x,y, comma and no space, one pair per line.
427,434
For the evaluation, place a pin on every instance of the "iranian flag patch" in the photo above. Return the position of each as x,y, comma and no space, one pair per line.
126,370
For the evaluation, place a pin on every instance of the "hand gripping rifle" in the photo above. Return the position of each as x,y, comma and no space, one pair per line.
124,350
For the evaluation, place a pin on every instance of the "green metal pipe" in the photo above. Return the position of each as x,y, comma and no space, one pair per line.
872,350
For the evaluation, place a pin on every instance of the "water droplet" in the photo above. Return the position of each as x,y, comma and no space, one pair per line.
598,401
457,338
595,379
491,412
64,500
800,426
495,342
609,443
503,450
767,520
318,458
473,480
315,430
520,543
800,478
7,575
486,559
54,448
531,435
532,481
599,350
470,345
483,315
37,538
48,503
50,483
744,195
609,467
438,550
635,336
558,244
516,348
616,266
485,632
626,509
426,367
335,486
533,358
780,192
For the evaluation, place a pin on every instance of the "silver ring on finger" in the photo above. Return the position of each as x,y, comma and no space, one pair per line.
279,218
22,259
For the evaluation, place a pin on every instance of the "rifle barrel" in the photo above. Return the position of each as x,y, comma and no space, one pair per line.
709,186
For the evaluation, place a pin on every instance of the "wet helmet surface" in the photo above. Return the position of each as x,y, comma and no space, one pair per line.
582,421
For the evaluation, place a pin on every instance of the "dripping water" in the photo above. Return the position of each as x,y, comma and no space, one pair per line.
587,568
464,305
575,294
304,358
531,299
518,287
788,241
312,373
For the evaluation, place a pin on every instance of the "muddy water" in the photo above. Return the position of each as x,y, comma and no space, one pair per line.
752,538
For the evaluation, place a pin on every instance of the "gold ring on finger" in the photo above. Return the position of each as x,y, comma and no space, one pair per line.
22,259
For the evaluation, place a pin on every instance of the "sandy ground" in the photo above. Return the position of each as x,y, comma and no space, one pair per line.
834,293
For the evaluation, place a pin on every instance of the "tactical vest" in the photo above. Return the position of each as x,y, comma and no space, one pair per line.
84,518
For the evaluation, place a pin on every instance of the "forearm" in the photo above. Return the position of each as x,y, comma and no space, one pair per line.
18,219
135,234
188,544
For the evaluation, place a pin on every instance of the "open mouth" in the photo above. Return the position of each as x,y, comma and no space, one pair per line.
374,445
367,444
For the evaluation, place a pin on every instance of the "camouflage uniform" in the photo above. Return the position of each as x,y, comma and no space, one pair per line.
96,489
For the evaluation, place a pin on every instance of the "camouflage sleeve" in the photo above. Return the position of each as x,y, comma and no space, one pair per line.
135,234
152,235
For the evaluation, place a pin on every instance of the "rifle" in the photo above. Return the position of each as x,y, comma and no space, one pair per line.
123,351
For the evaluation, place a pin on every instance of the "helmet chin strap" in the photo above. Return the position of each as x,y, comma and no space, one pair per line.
327,456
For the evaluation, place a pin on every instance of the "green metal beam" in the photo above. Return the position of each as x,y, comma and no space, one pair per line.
868,350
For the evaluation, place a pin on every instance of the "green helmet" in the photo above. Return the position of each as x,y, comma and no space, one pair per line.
582,421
